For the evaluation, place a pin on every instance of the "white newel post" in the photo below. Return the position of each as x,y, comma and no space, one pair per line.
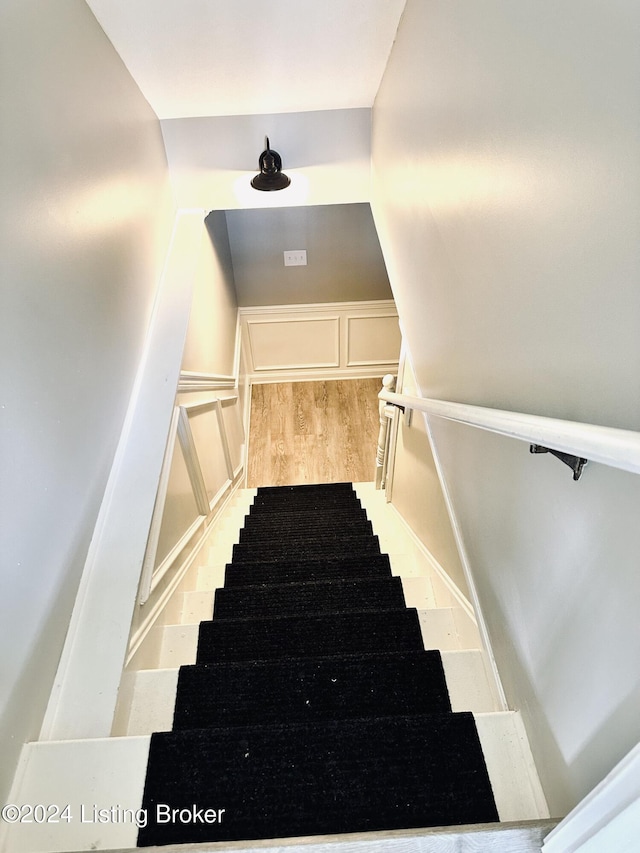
388,384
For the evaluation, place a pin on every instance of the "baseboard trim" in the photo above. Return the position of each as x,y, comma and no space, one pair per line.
321,374
466,567
451,585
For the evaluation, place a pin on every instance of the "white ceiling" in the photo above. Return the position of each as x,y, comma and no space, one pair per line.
246,57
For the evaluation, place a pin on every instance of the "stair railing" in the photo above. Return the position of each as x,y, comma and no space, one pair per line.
220,391
618,448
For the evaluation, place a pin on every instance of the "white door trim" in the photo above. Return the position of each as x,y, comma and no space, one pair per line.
608,818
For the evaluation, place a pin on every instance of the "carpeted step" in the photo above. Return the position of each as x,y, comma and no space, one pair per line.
305,493
297,497
305,515
325,490
299,570
306,636
293,599
289,531
297,508
305,548
309,521
310,689
315,779
305,506
313,707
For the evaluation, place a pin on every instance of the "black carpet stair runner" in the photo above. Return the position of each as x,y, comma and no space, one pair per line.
313,707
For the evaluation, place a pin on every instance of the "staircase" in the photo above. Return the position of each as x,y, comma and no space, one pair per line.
313,707
307,706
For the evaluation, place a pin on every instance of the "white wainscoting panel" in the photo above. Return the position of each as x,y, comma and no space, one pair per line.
373,340
345,339
294,342
208,447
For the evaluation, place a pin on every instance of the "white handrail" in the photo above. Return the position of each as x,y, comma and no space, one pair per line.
618,448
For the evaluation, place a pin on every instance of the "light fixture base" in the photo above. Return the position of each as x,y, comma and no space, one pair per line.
271,176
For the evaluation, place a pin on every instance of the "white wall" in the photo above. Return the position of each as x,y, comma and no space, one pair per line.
326,153
87,214
417,492
506,192
211,336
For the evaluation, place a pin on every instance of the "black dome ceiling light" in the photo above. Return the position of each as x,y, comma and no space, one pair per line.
271,176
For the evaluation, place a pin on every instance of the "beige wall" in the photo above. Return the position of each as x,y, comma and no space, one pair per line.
344,260
506,192
87,213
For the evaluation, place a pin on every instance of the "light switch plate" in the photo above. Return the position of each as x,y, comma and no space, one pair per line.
295,258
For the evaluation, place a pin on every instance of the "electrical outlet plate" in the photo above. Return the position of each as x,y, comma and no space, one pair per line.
295,258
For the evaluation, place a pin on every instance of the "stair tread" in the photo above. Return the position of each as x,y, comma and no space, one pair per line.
300,532
330,546
237,574
304,506
302,636
354,509
310,597
65,771
321,778
306,488
313,688
298,500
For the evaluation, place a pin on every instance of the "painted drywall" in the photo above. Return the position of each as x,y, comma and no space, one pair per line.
344,259
556,567
326,153
211,337
87,214
210,347
417,492
238,57
506,193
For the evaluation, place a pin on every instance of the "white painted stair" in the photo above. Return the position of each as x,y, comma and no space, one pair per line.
91,790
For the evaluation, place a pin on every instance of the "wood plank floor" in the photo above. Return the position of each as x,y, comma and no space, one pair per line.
313,432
